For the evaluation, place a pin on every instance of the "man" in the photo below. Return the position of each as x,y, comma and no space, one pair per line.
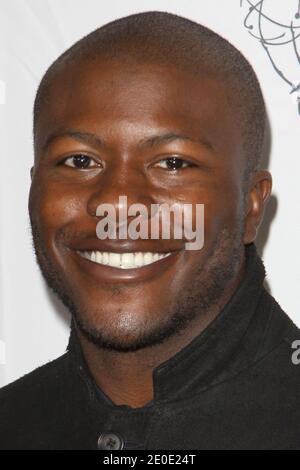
170,348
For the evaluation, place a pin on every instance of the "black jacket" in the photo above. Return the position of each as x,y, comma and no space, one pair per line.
235,386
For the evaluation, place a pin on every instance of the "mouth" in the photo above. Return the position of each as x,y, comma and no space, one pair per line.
133,260
126,266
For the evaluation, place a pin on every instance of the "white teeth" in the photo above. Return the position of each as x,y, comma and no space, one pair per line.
114,260
99,257
105,258
123,260
127,260
148,258
139,259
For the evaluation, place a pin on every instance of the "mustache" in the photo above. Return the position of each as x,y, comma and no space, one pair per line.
69,235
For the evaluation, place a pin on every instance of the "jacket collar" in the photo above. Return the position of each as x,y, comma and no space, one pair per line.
225,346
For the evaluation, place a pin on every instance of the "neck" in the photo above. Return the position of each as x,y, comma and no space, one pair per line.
127,378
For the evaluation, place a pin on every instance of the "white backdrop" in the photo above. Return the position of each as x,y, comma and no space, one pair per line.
33,325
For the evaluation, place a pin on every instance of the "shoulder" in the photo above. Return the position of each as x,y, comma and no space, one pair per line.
32,402
279,329
34,382
276,362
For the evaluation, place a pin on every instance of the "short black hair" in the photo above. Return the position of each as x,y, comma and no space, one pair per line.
166,38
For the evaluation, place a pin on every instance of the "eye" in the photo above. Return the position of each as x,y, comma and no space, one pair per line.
173,163
81,162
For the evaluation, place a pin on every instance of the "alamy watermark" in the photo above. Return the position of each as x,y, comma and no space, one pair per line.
162,221
296,353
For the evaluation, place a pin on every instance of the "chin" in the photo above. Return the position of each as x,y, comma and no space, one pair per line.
124,331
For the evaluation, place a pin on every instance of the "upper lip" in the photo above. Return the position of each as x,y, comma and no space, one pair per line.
127,246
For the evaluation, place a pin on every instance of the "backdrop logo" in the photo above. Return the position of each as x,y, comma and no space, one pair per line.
276,25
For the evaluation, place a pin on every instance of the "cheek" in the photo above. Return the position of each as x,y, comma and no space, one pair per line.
220,201
222,213
53,206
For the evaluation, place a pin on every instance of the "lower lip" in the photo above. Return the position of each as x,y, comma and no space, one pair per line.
107,273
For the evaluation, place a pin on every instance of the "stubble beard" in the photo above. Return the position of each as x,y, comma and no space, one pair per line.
209,285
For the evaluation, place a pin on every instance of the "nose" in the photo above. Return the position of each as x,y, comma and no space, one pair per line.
119,188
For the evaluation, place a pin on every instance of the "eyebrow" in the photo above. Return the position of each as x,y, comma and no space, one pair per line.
93,139
171,136
85,137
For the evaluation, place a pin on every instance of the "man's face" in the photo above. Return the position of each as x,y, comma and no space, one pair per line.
121,122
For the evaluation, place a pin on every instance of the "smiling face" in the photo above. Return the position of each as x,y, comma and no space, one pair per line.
157,135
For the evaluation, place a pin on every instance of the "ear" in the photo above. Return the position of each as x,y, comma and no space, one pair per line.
31,172
258,195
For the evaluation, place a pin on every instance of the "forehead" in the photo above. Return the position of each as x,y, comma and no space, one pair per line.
110,96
